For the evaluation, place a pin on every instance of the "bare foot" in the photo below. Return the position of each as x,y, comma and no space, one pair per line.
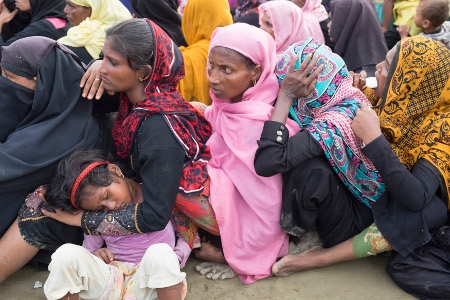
209,253
215,270
289,264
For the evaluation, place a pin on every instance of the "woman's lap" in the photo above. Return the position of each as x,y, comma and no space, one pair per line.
43,232
424,273
314,198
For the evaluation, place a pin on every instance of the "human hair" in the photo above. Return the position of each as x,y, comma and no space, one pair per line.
244,59
59,190
133,39
435,11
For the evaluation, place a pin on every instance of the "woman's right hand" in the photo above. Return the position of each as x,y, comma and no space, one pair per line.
301,82
359,79
296,84
91,82
5,15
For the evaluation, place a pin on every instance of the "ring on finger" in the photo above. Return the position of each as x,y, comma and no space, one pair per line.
97,79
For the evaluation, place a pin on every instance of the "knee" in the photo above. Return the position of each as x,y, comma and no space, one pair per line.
310,170
159,268
159,255
66,254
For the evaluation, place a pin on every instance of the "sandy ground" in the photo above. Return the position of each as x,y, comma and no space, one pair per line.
362,279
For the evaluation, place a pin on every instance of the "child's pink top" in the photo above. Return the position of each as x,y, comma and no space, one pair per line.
132,247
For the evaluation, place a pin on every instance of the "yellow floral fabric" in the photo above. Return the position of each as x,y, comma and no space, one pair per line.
370,242
124,283
199,20
91,32
415,116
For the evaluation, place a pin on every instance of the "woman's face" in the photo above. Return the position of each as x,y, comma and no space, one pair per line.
117,195
117,74
24,5
382,72
266,25
76,13
229,76
23,81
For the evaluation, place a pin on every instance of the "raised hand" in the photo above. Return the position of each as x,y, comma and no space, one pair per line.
300,82
366,124
91,82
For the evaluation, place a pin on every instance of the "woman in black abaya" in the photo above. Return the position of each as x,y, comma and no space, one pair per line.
42,119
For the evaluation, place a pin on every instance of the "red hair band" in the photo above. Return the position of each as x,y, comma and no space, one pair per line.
82,175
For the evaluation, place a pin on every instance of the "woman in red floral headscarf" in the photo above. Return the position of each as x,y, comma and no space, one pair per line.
161,135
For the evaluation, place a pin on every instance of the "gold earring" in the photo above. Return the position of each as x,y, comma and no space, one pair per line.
254,82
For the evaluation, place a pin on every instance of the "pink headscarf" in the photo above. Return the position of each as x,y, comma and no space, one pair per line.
247,206
290,24
316,8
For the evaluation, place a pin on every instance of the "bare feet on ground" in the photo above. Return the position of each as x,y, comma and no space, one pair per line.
291,263
215,266
209,253
215,270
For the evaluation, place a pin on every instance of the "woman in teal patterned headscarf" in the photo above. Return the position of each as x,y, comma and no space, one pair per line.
329,185
327,113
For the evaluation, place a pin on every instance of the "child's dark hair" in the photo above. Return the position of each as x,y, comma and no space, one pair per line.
435,11
69,168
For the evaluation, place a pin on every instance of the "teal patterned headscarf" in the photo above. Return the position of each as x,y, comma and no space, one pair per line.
327,113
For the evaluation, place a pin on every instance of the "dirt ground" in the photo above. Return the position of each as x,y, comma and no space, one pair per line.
362,279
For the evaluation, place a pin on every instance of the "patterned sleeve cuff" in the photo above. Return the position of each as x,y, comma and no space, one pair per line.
275,131
114,223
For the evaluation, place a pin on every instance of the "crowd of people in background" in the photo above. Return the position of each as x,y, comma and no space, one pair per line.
135,134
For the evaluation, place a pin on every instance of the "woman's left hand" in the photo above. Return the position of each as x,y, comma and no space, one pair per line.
65,217
366,124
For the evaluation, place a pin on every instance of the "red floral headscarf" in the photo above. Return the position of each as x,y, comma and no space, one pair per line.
162,97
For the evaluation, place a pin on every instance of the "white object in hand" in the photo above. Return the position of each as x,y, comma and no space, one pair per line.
371,82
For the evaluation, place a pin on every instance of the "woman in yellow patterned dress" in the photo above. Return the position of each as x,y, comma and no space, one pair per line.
407,137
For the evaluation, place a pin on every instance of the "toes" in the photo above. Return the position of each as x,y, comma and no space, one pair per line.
229,274
204,265
205,271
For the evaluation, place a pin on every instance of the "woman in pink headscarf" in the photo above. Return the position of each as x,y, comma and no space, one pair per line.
247,206
316,8
288,24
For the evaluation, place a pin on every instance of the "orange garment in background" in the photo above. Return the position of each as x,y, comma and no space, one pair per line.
199,20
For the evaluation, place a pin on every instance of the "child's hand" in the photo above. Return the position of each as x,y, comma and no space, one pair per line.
403,31
104,254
